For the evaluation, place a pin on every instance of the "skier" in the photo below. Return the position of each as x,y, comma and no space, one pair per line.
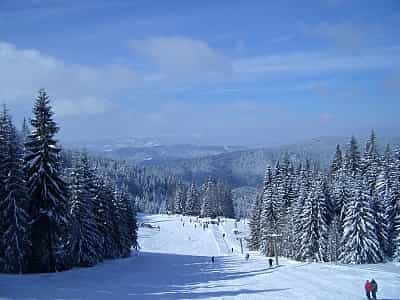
223,235
270,262
247,256
232,249
374,288
212,259
368,288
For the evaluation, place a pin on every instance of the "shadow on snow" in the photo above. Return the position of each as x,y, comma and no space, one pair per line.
147,276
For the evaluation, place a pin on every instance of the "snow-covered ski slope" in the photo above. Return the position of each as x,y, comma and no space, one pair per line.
175,263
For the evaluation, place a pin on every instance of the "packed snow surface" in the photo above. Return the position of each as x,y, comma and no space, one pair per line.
175,263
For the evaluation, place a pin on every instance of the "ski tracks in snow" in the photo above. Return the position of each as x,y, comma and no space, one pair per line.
220,241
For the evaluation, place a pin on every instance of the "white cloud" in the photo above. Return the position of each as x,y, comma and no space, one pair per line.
178,57
23,72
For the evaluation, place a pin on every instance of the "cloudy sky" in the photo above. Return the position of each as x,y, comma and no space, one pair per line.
238,72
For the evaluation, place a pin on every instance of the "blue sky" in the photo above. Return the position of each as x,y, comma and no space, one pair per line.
238,72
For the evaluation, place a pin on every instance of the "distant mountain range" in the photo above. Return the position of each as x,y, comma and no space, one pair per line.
236,165
247,167
156,150
244,167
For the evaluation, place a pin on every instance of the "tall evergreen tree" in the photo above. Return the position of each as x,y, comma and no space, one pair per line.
209,195
25,131
371,163
315,227
253,241
337,162
86,235
126,222
353,158
109,230
269,218
360,242
47,188
15,222
193,201
4,133
180,199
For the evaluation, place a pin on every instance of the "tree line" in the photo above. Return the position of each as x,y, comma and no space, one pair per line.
211,199
349,213
55,216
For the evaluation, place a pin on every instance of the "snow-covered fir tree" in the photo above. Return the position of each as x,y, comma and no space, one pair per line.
270,218
360,242
15,244
313,243
86,238
337,163
353,158
180,199
48,192
108,230
209,207
192,207
25,131
253,241
125,220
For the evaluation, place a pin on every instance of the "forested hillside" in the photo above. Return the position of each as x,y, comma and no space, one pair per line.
247,167
349,212
56,213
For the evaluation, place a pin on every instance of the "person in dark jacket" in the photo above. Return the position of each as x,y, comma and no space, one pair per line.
374,288
212,259
270,262
368,288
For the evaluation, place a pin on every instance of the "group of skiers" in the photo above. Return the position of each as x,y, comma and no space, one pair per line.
371,288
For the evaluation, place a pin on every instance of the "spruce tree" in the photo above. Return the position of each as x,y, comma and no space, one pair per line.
226,203
48,192
269,218
313,243
253,241
4,132
86,234
360,242
180,199
193,201
337,162
109,229
371,163
353,158
126,222
393,219
209,196
15,222
25,131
